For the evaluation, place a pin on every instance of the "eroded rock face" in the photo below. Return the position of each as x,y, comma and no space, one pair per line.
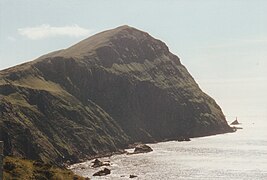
117,87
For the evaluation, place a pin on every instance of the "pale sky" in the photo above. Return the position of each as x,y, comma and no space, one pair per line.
223,43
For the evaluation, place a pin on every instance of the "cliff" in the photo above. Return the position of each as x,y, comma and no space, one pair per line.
117,87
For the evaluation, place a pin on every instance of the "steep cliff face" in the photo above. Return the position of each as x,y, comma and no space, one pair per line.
114,88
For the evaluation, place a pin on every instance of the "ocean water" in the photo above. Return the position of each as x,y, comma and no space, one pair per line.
239,155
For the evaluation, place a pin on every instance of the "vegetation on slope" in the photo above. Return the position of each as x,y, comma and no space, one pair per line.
22,169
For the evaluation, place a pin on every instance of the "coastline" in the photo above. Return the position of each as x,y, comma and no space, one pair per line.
133,145
117,163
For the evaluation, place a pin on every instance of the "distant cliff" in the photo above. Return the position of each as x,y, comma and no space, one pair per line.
117,87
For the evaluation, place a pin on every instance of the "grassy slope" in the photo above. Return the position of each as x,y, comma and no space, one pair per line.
16,168
43,121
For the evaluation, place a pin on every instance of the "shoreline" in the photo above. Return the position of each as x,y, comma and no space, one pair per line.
133,145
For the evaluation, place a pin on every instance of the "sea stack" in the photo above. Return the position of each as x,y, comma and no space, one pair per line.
235,122
112,89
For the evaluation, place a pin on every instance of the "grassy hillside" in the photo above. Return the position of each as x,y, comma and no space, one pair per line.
40,120
22,169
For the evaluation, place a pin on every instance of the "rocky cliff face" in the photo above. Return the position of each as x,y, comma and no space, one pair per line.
114,88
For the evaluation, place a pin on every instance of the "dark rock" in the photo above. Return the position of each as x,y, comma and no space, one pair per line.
142,148
187,139
132,176
182,138
98,163
235,122
103,172
236,128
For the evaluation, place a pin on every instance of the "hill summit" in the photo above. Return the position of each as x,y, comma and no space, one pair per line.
114,88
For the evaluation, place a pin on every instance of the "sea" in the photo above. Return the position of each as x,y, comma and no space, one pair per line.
241,155
238,155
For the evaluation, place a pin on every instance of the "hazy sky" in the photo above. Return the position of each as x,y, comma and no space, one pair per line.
223,43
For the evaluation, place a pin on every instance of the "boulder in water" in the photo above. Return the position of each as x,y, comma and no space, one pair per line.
98,163
103,172
142,148
235,122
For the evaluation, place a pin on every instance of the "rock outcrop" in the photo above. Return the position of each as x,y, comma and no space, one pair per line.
97,163
103,172
115,88
235,122
142,148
